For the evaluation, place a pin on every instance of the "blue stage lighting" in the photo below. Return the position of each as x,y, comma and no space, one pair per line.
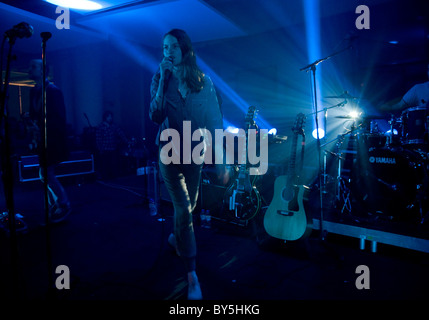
321,133
231,94
77,4
312,24
272,131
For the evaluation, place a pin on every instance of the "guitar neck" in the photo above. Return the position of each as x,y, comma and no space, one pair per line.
243,162
249,120
242,172
297,130
291,168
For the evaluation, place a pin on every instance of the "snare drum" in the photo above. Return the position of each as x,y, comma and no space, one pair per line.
414,126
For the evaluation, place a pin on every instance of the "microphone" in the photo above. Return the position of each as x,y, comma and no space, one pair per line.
167,74
46,36
21,30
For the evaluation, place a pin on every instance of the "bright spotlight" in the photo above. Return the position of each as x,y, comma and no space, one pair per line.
77,4
232,129
354,114
321,133
273,131
389,132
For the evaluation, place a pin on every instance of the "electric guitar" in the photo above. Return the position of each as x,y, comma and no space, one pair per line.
241,199
285,217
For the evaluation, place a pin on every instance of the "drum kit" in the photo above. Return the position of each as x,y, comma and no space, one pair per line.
382,173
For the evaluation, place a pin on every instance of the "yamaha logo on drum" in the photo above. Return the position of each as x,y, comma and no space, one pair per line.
383,160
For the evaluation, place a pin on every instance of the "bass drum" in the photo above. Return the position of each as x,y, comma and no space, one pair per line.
387,181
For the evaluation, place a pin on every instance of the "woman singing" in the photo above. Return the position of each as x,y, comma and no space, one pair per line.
182,95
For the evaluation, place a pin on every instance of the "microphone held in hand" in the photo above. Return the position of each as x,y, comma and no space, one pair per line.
167,67
167,74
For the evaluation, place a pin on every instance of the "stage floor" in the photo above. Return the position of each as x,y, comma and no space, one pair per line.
115,250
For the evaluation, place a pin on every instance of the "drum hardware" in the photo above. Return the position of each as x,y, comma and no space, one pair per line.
373,127
414,126
390,134
342,191
325,175
389,172
384,179
388,176
322,167
344,196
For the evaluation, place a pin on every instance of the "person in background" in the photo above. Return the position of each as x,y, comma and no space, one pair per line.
417,96
57,149
109,138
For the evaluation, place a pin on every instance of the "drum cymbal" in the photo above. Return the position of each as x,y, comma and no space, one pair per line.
366,117
345,117
344,95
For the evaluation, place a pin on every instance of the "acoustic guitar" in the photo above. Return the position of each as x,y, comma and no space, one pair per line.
285,217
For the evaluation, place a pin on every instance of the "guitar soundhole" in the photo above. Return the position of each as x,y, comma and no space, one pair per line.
287,194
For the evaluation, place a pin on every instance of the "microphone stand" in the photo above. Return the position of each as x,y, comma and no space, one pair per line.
43,160
319,149
7,170
312,67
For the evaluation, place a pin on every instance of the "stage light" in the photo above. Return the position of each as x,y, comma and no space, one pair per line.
314,52
232,129
273,131
354,114
389,132
77,4
321,133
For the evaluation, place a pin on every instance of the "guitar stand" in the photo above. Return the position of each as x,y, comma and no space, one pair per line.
344,194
